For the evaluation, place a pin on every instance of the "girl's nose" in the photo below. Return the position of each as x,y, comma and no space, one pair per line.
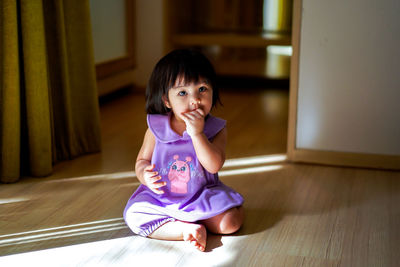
195,101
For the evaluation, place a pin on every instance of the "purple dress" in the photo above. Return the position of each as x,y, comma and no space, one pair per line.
191,193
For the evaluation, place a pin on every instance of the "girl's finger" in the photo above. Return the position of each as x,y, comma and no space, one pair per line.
189,115
184,117
155,178
158,191
150,167
197,114
152,174
200,111
158,185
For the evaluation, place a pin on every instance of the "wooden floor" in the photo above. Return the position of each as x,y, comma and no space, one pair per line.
296,215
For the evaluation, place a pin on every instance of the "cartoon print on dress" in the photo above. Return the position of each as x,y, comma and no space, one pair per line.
179,175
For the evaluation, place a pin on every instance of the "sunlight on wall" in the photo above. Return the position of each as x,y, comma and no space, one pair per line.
277,15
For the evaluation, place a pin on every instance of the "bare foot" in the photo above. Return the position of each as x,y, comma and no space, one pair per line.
195,234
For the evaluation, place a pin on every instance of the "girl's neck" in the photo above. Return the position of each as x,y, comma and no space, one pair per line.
176,125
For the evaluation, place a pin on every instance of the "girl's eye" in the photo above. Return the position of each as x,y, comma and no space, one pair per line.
182,93
202,89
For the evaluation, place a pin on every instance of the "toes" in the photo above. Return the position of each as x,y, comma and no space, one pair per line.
194,242
196,236
197,245
201,248
189,237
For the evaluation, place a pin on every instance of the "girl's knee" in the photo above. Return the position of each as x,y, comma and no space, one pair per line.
232,221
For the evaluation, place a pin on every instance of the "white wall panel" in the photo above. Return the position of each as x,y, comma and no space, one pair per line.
349,77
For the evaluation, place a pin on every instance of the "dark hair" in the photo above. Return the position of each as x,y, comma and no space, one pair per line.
188,64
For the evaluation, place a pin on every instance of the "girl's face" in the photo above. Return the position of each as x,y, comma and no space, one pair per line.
187,97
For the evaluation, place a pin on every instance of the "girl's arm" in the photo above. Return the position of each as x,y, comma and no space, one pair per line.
210,154
144,169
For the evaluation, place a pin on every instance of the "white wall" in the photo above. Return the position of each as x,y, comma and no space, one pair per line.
349,76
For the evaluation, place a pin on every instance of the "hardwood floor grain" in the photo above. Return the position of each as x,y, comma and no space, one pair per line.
296,215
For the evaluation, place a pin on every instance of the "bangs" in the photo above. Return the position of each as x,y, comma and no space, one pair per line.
187,69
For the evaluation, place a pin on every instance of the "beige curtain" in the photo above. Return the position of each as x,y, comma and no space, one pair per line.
48,97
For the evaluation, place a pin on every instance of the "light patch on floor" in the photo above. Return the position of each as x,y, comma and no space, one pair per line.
62,232
127,251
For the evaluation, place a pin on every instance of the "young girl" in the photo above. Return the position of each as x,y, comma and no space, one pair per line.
181,197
